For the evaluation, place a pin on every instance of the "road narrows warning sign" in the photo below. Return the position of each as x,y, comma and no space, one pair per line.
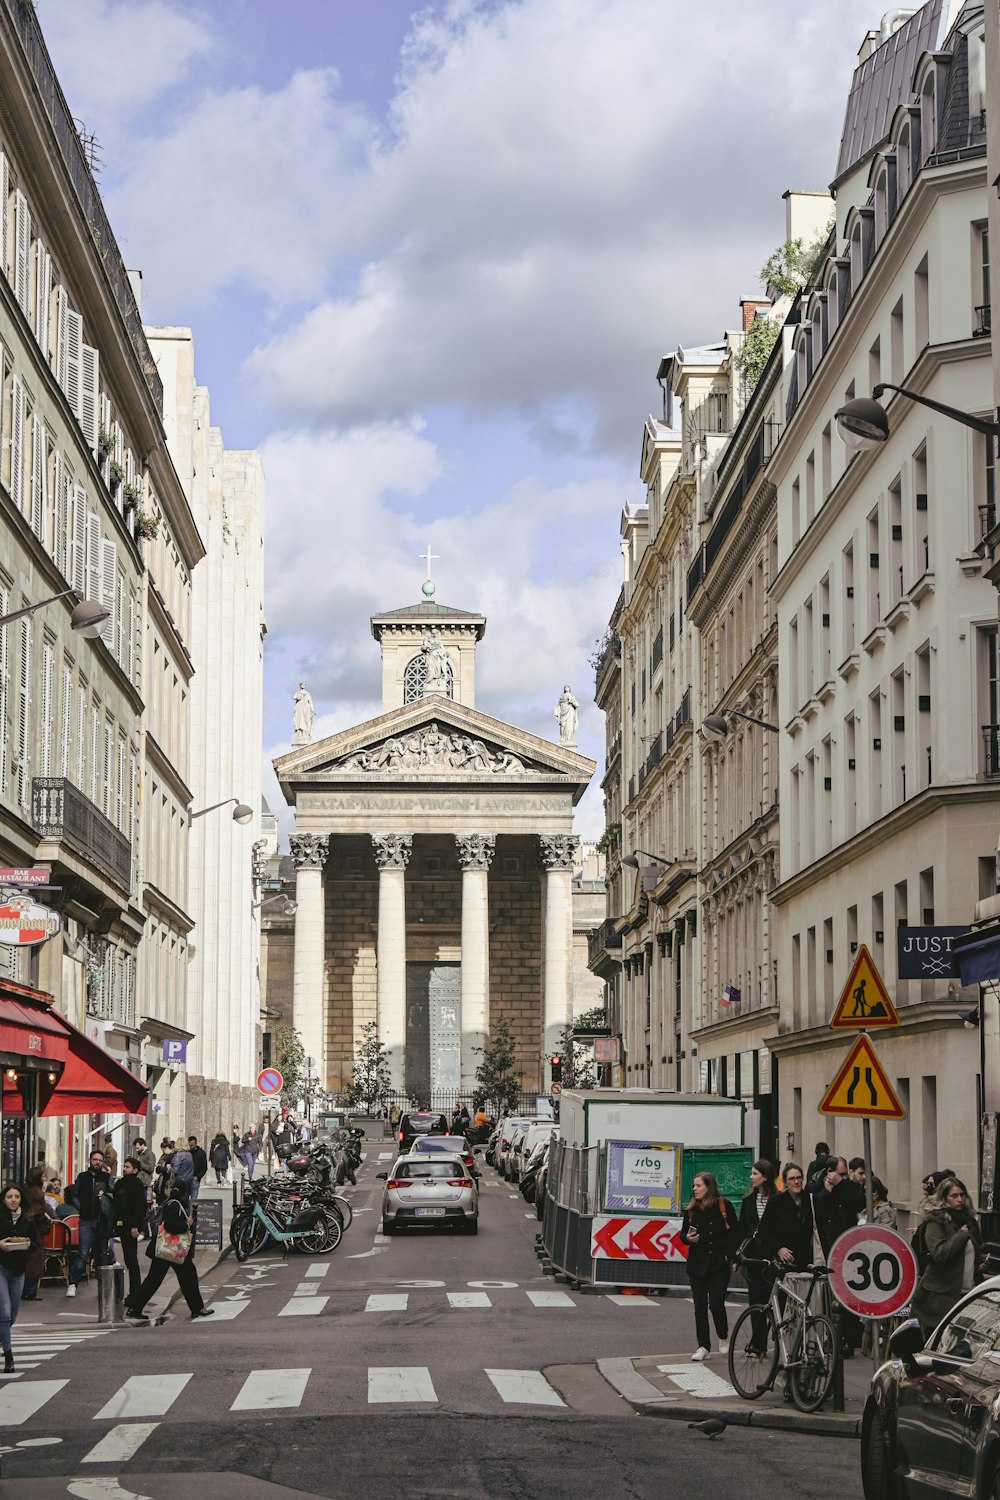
862,1087
864,1002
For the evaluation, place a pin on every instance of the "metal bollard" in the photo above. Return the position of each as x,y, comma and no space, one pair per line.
110,1294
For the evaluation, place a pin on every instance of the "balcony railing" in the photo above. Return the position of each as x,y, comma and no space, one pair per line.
987,519
67,136
59,810
601,938
991,750
981,324
657,648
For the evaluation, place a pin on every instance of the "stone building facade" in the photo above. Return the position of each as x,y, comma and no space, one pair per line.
434,859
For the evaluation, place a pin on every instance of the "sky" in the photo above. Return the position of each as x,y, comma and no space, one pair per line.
432,257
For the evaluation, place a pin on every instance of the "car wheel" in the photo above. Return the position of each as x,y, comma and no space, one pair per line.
877,1477
472,1227
387,1226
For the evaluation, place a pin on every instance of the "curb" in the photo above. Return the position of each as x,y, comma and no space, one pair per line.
646,1399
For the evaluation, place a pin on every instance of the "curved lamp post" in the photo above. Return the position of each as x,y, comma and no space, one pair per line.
864,424
241,812
716,726
633,863
88,617
288,906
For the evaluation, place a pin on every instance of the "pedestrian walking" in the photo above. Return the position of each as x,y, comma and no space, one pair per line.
19,1236
35,1208
954,1251
91,1196
821,1154
220,1156
146,1157
838,1198
110,1155
130,1205
883,1212
174,1218
250,1150
164,1171
710,1229
199,1163
182,1167
759,1276
786,1229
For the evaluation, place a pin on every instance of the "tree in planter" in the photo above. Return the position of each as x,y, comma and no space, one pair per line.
289,1057
499,1083
577,1067
372,1080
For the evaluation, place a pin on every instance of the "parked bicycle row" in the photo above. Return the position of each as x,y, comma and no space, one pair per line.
299,1206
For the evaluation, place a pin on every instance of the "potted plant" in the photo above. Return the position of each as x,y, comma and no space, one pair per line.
103,445
145,526
116,476
131,496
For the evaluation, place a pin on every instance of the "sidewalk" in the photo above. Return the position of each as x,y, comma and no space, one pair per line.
56,1310
670,1385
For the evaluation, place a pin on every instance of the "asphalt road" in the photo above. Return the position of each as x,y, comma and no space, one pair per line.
418,1367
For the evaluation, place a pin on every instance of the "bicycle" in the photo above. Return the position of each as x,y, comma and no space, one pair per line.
785,1334
317,1237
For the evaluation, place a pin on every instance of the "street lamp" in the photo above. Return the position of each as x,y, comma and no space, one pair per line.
87,618
288,906
864,424
716,726
241,812
633,863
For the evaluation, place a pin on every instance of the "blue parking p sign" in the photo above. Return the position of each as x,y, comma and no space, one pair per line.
175,1050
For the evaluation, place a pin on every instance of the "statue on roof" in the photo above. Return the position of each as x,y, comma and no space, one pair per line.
566,712
436,660
303,717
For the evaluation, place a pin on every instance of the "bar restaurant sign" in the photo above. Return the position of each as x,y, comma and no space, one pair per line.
925,952
24,921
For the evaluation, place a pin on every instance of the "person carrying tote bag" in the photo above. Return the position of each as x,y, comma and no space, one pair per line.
710,1230
172,1246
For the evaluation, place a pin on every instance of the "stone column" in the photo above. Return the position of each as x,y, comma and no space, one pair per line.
392,854
558,853
475,855
309,851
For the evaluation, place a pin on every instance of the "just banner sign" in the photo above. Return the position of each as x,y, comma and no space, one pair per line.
620,1238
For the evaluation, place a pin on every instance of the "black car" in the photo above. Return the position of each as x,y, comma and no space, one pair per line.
419,1122
932,1420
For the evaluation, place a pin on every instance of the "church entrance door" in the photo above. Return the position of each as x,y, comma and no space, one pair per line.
433,1032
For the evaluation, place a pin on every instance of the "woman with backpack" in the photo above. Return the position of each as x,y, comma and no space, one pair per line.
952,1252
710,1230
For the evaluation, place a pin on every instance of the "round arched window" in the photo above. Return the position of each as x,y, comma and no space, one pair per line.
413,679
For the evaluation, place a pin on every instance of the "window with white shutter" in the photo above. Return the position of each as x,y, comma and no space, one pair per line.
79,542
95,753
22,252
130,665
109,574
122,783
66,721
121,624
92,590
24,715
89,394
130,826
81,736
4,203
60,516
108,770
17,442
43,298
4,684
70,329
48,684
39,475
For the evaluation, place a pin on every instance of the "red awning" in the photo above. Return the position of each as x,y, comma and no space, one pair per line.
88,1080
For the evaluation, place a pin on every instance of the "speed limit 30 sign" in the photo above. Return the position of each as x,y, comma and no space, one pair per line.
873,1271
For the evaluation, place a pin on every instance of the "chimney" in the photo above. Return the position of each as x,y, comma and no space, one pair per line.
750,307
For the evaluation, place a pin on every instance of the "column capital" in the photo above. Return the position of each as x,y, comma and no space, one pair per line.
557,851
475,850
309,850
392,850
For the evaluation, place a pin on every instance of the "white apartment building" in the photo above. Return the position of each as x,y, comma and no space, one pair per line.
889,704
83,473
226,494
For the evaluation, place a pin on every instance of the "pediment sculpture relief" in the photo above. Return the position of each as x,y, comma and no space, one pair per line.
430,748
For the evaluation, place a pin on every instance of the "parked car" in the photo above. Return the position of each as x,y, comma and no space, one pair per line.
524,1143
446,1145
419,1122
931,1424
508,1129
542,1185
529,1169
423,1190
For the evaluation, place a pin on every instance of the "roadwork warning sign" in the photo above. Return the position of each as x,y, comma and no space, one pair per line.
864,1002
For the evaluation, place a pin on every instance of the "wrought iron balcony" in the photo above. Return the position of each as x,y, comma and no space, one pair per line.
987,519
59,810
981,323
603,941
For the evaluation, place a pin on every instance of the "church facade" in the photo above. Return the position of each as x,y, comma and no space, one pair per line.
434,855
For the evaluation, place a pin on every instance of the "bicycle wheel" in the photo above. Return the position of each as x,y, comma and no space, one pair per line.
814,1363
344,1209
252,1237
753,1352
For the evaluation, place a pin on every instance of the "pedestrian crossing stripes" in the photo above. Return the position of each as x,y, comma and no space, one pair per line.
401,1302
136,1408
34,1344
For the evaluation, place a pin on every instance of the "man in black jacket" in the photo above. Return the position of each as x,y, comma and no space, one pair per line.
87,1195
200,1163
130,1216
837,1201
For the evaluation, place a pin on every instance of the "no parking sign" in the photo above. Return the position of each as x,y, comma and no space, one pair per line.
270,1082
873,1271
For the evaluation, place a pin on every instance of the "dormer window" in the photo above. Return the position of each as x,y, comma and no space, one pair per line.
903,162
817,325
881,205
856,257
928,114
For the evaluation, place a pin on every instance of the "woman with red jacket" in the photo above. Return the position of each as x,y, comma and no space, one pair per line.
710,1230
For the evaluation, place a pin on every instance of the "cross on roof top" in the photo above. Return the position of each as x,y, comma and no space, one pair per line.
428,557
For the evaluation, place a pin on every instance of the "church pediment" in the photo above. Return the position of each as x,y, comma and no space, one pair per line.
437,739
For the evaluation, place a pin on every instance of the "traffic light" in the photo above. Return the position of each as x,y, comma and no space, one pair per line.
555,1062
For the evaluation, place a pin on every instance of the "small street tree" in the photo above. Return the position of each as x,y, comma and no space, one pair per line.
577,1065
289,1057
372,1080
499,1082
